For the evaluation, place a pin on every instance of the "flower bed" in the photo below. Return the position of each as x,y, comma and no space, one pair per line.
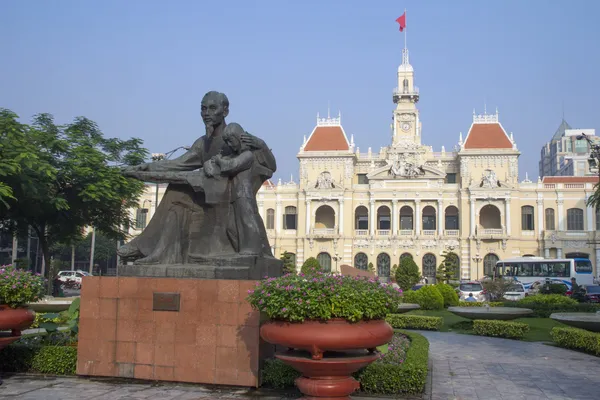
403,321
19,287
577,339
402,369
318,296
504,329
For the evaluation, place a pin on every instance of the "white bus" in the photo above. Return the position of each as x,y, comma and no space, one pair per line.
528,270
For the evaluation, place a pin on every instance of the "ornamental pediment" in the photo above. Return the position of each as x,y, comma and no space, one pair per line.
489,181
406,170
325,182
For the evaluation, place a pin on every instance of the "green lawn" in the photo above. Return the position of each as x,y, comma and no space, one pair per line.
539,328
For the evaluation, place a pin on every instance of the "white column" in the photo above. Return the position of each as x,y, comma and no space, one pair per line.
395,217
561,215
278,216
546,252
418,221
540,206
507,214
308,216
341,217
261,209
590,218
372,217
15,248
440,218
472,217
558,253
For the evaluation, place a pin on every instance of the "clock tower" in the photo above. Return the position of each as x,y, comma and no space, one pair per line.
406,126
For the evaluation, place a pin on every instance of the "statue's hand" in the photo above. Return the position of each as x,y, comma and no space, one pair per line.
209,168
217,159
252,141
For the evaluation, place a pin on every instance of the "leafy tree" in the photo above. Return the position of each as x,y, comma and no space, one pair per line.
407,274
371,268
311,265
289,262
71,180
393,271
448,268
495,288
105,249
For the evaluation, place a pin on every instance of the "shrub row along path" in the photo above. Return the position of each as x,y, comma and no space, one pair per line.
475,367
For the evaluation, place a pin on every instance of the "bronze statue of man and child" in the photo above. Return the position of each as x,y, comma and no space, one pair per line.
208,215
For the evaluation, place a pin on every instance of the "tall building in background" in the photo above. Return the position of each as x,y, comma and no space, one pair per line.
406,200
565,155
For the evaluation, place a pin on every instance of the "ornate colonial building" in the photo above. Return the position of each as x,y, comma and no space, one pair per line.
353,207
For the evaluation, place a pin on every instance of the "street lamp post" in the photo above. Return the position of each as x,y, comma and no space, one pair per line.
336,258
477,259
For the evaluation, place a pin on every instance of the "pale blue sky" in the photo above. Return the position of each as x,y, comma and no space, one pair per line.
140,68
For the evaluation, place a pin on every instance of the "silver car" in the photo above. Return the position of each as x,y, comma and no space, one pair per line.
474,288
515,292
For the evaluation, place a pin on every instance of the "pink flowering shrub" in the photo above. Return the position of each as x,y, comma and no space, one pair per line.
396,351
320,296
19,287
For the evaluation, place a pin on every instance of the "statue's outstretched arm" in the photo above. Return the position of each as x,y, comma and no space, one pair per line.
189,161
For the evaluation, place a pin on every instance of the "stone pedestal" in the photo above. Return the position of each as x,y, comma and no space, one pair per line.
170,329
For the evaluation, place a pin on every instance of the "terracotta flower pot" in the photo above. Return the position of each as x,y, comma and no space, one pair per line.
332,335
15,319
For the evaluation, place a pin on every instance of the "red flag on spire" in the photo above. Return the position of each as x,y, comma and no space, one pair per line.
402,21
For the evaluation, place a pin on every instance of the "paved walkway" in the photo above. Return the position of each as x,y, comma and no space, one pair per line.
475,367
464,367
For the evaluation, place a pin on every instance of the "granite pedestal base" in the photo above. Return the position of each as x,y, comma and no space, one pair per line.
238,268
212,337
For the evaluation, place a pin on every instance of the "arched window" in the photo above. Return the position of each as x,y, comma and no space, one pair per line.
489,217
489,264
550,224
574,219
405,85
527,218
325,260
383,218
429,218
325,217
270,218
361,261
406,218
290,218
383,265
451,222
361,218
429,267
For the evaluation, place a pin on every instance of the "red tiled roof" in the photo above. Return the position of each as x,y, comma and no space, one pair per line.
570,179
327,138
487,136
268,183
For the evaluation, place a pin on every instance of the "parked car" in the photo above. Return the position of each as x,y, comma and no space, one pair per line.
535,286
515,292
592,293
474,288
76,276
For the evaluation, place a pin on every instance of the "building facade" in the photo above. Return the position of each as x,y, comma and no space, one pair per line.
565,154
352,207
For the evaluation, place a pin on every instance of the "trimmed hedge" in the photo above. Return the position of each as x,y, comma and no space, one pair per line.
448,294
52,360
428,297
547,299
408,377
379,378
478,304
496,328
403,321
577,339
544,310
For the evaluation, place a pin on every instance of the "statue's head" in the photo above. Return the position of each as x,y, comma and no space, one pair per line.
214,109
232,135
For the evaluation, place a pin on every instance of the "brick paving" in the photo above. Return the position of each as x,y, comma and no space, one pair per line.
469,367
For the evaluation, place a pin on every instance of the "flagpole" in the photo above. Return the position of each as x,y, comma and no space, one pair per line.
405,29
